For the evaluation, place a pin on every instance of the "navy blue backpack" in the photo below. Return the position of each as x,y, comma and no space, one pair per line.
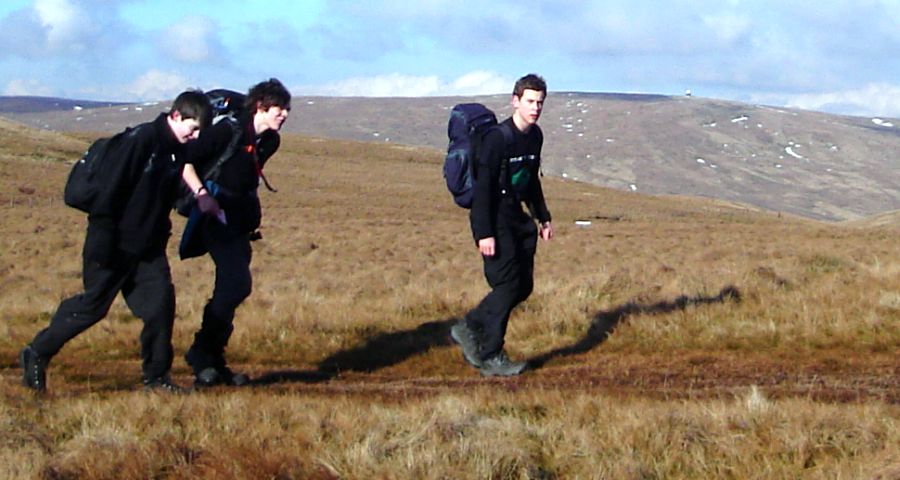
468,124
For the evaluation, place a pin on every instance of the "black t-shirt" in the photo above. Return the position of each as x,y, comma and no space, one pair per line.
500,200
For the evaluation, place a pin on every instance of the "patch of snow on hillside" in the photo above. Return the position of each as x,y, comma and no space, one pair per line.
882,123
78,108
633,187
742,118
790,151
701,161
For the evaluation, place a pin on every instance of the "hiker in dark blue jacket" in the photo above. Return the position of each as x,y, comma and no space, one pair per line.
231,217
125,246
506,176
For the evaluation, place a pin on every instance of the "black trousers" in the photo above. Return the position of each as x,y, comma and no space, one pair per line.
231,252
510,274
146,285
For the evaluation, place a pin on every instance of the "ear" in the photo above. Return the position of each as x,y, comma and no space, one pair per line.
175,116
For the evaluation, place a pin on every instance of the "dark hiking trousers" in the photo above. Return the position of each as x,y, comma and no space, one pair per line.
510,274
231,254
146,285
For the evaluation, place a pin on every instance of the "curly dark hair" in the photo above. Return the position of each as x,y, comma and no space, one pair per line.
268,94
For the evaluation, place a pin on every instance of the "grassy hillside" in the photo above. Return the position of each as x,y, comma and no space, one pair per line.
671,338
817,165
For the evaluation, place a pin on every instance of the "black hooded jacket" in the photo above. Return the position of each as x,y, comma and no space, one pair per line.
240,175
133,210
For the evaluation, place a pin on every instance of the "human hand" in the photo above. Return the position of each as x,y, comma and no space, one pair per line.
487,246
546,231
207,203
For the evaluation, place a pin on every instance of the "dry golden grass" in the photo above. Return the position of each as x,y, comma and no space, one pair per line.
672,338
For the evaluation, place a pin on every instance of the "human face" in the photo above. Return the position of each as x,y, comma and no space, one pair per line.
184,129
271,119
527,108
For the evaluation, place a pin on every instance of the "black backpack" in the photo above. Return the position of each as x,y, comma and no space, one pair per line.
88,175
468,124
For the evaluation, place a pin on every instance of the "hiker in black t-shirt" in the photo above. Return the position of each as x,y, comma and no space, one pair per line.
506,176
125,247
232,215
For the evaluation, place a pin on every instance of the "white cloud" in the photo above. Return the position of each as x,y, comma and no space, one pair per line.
873,99
21,87
480,83
398,85
156,85
65,24
61,19
193,40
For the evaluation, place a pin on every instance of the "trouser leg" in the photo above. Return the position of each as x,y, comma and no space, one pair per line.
233,285
510,275
78,313
150,295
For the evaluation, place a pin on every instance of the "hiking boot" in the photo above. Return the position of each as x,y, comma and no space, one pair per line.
212,376
162,384
467,340
34,369
501,366
211,370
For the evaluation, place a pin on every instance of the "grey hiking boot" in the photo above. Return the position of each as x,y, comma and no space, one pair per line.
501,366
211,370
467,340
212,376
162,384
34,369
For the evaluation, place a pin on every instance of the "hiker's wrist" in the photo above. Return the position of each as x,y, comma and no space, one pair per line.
200,191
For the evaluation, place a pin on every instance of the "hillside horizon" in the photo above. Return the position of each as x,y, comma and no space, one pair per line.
816,165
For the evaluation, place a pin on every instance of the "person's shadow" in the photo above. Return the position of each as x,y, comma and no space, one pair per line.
604,322
381,351
390,348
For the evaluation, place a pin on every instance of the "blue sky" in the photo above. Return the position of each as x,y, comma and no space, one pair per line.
837,56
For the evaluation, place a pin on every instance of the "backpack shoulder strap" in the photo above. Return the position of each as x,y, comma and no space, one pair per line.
507,132
216,168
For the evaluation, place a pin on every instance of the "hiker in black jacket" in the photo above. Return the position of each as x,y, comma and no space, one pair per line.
125,246
232,215
506,176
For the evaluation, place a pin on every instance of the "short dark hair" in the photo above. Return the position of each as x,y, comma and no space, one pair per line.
532,81
193,104
268,94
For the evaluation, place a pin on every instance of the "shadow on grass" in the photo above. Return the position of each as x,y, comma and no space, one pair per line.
380,351
605,322
387,349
